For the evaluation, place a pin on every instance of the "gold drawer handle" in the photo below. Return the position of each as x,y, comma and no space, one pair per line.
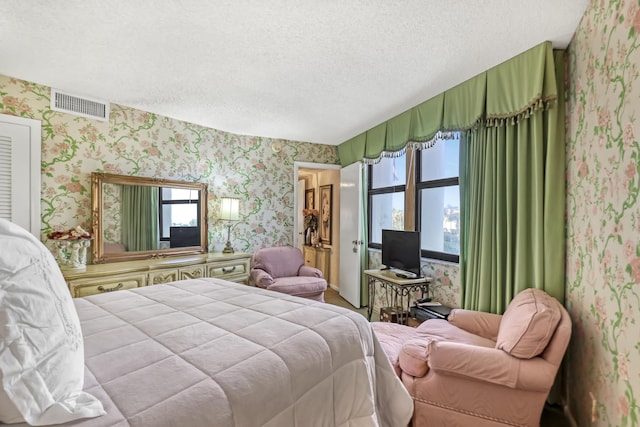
228,270
115,288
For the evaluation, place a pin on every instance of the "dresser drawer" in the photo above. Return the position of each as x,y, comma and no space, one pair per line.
98,285
234,270
309,256
163,276
192,272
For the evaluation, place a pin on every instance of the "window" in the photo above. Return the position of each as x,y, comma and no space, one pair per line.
387,183
437,199
179,207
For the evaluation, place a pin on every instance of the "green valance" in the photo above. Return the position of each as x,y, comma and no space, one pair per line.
464,104
508,91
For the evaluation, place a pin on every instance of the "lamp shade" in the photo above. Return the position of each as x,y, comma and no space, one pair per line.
230,209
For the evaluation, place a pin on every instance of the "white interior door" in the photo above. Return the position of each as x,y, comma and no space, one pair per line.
350,233
299,216
20,150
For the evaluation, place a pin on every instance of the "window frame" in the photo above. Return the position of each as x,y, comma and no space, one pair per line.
414,182
376,192
423,185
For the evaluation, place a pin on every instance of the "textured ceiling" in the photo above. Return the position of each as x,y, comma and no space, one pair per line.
316,71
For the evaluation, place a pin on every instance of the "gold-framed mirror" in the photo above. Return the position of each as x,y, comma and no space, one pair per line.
137,217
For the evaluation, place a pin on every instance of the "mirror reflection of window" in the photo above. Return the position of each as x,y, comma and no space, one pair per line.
179,208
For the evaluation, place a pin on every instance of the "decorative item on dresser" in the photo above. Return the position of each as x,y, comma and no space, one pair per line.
101,278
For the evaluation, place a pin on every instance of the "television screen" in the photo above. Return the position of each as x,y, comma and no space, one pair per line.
180,237
401,251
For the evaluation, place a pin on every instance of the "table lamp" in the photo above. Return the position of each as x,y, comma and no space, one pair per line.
229,211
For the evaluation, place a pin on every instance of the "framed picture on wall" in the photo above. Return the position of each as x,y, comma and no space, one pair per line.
326,205
309,198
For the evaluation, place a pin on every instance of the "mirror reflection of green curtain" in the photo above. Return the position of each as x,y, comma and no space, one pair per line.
140,230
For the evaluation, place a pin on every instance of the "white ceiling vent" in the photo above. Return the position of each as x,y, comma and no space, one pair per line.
80,106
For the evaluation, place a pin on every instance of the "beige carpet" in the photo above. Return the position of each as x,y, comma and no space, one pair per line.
331,296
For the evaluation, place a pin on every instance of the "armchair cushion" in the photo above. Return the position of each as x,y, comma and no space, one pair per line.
492,366
296,286
418,350
414,356
261,278
528,324
306,270
477,322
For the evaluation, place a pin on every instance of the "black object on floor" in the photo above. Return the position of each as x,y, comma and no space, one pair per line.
430,312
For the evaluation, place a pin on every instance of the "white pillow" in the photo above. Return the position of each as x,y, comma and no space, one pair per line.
41,346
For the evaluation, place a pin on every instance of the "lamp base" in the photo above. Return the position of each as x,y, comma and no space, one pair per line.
228,249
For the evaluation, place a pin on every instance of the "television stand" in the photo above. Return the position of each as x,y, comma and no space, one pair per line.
397,290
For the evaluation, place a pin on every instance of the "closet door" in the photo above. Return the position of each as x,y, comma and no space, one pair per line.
20,148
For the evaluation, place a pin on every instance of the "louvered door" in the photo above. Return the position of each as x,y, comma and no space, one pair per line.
20,147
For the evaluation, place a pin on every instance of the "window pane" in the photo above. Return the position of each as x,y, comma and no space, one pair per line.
387,211
180,214
389,172
441,160
179,194
440,219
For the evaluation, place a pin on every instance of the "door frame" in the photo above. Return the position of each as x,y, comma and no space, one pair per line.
297,204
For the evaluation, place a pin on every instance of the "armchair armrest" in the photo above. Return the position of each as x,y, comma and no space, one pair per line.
260,278
306,270
479,323
491,365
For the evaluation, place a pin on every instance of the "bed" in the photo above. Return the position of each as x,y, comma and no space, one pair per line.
207,352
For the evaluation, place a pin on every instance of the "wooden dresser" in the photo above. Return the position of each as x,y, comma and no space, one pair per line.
318,258
98,278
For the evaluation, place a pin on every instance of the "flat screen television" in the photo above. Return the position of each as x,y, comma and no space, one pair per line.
181,237
401,252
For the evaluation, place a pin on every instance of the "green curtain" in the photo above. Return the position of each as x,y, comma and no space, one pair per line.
511,172
140,230
364,253
512,194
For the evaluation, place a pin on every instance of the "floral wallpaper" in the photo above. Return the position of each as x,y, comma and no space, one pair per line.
140,143
112,208
603,215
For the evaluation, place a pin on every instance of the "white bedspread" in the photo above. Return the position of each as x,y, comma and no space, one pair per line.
208,352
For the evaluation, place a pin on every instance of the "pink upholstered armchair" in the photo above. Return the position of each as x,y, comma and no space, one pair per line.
481,369
282,269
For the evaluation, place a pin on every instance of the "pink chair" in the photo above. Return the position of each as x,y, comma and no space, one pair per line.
480,369
282,269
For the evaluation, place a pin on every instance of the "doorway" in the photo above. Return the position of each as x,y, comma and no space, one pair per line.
314,183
